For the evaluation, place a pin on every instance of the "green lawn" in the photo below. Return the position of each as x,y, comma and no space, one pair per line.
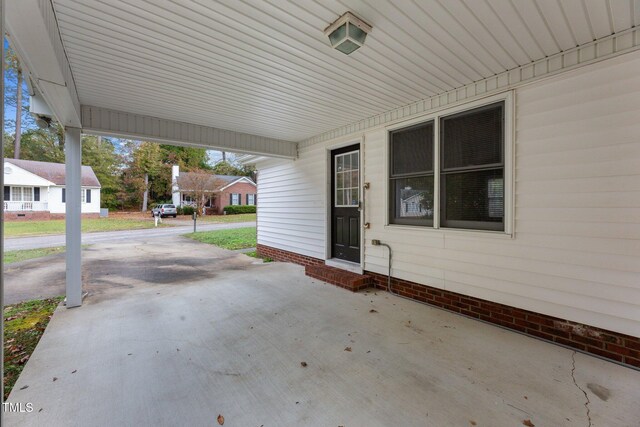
57,226
236,238
24,324
213,219
17,256
254,254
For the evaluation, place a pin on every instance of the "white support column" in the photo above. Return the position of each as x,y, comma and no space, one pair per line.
2,205
73,209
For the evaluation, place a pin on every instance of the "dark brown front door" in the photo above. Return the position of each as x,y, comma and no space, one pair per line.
345,203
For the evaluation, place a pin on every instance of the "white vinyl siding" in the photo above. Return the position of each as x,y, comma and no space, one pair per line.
292,203
575,250
54,197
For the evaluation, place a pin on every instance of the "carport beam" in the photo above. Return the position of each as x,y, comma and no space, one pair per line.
73,209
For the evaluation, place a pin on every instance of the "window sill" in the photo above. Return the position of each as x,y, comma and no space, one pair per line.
451,231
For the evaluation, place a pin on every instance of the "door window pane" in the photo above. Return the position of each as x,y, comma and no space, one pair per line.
347,179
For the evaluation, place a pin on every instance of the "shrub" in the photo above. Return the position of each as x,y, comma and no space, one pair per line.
187,210
179,210
234,209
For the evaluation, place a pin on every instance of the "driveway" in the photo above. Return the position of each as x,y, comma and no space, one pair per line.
119,265
20,243
178,335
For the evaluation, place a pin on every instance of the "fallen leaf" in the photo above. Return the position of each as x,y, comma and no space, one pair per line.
373,311
220,419
55,378
528,423
303,364
74,371
40,410
24,359
23,387
347,349
472,422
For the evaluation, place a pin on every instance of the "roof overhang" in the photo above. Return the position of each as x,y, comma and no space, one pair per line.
257,79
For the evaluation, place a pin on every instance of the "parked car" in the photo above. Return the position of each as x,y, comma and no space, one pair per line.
164,210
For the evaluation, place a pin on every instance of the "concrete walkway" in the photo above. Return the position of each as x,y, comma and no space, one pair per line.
230,337
20,243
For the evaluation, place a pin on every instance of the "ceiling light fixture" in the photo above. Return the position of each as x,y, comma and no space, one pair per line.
347,33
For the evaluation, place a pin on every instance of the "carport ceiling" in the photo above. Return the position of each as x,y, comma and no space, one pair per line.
266,68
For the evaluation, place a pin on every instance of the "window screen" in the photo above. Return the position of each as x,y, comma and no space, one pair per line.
411,178
472,173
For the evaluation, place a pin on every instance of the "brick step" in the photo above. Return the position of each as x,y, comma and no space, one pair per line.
342,278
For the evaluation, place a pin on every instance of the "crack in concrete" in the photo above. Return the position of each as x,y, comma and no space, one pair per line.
573,370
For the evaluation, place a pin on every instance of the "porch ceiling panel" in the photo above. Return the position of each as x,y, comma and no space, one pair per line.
265,67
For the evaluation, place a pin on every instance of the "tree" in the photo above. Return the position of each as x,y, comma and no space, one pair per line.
200,185
100,154
226,168
13,97
188,158
43,145
146,163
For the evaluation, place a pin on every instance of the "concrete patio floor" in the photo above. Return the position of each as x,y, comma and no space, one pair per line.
231,343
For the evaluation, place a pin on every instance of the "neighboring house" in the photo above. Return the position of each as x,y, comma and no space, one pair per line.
225,190
37,190
412,205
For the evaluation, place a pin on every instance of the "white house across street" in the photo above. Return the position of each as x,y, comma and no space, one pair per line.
36,190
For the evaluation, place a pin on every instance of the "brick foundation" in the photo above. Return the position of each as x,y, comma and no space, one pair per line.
40,216
286,256
608,344
344,279
590,339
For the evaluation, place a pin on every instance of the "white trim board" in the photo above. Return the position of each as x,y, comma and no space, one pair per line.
244,178
595,51
106,122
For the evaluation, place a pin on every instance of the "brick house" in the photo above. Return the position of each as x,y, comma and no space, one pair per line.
226,190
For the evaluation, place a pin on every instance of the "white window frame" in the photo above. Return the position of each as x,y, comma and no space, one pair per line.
335,171
509,161
251,201
83,196
235,199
